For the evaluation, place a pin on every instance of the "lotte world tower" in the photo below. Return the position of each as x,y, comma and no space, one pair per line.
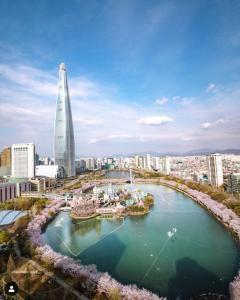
64,146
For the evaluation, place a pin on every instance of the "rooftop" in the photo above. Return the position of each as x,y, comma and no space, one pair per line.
8,217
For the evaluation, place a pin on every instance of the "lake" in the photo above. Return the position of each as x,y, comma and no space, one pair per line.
201,257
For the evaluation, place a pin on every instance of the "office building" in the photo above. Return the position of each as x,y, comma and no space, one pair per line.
13,188
5,162
23,160
215,170
5,158
64,145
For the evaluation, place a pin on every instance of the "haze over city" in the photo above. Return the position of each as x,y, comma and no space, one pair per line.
143,75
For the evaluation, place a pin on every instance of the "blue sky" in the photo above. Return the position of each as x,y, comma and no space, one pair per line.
143,75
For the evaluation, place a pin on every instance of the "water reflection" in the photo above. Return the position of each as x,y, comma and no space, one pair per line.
192,279
84,227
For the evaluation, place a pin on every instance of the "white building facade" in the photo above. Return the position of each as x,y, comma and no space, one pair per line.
23,160
51,171
165,165
215,170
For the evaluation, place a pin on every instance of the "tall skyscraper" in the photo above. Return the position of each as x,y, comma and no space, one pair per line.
215,172
64,146
23,160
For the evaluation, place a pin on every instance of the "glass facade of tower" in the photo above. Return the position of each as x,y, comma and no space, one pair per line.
64,146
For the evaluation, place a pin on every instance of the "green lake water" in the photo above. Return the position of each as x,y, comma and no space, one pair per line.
201,257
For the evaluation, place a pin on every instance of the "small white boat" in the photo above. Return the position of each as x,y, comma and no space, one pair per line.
171,233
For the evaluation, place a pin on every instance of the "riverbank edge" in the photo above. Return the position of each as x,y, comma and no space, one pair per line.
83,218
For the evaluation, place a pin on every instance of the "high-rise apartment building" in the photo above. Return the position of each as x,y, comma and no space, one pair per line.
140,162
165,165
5,158
23,160
147,162
64,146
156,161
161,164
215,171
233,185
90,163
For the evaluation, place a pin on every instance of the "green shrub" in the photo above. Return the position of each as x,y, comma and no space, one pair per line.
23,203
114,294
135,208
20,224
4,236
219,196
149,200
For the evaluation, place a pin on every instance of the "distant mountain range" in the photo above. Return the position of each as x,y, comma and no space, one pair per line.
207,151
202,151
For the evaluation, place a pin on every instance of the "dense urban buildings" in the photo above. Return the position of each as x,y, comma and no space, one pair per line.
64,146
23,160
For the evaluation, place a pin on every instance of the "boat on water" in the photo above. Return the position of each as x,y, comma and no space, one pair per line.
172,232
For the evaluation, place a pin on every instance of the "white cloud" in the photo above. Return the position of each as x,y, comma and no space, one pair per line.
176,98
208,125
119,136
187,138
184,101
83,121
155,120
211,88
92,141
162,100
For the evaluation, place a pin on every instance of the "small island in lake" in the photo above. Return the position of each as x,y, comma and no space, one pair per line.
109,202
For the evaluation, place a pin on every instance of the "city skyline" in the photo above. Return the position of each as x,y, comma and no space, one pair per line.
143,76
